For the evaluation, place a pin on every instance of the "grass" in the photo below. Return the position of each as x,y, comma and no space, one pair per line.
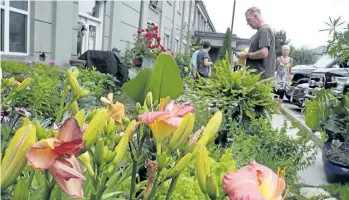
340,192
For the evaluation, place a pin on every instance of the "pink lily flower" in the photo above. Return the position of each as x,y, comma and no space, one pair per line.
165,121
254,182
57,156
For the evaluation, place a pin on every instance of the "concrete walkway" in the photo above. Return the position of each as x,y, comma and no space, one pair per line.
313,175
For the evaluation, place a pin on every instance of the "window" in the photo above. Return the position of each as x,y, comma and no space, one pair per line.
90,8
154,4
14,27
167,41
176,50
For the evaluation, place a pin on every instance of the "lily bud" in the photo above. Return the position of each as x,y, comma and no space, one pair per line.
138,108
145,108
91,114
14,160
84,93
9,81
85,159
121,148
24,84
125,121
210,130
202,167
80,117
155,104
41,132
74,84
149,99
180,166
111,126
211,186
95,127
99,153
74,107
74,72
163,160
181,134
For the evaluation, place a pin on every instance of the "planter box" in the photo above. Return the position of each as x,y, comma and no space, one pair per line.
335,171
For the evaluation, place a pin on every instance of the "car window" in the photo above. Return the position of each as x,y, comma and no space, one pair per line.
324,62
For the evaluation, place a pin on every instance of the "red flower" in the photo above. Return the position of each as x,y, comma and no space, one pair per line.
172,54
57,156
148,34
155,35
135,62
142,30
139,31
156,28
158,39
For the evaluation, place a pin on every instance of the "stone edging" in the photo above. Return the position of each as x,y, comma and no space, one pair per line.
284,111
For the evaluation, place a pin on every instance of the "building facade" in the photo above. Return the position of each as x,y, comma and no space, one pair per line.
65,29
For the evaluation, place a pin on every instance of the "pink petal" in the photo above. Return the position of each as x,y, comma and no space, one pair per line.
69,176
70,148
70,130
169,106
184,109
149,117
41,156
173,121
242,185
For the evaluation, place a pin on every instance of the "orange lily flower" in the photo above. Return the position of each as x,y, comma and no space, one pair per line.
116,110
165,121
57,155
254,181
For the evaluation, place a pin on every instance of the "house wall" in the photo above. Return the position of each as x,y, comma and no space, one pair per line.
54,26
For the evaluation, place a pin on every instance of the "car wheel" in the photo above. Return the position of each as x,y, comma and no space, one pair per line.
288,97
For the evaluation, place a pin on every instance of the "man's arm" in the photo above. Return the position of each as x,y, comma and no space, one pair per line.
264,44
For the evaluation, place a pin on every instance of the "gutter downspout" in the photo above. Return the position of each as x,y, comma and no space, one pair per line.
140,23
231,29
173,34
189,27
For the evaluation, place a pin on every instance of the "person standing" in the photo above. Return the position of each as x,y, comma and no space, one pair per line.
204,63
261,54
283,72
194,62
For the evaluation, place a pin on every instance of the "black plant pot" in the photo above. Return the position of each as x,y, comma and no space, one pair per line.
336,172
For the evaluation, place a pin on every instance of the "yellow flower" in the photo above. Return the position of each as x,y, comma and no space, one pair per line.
116,110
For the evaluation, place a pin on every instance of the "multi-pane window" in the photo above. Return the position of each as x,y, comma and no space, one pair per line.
167,41
14,26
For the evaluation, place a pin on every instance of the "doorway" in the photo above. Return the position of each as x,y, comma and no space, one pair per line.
90,21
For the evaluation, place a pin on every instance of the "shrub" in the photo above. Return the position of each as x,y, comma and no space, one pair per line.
271,148
42,98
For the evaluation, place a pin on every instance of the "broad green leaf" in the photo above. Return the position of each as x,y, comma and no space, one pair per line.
137,88
163,80
14,160
166,79
21,191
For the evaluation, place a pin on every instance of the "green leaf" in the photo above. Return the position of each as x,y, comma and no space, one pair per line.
15,160
163,80
21,191
166,79
137,87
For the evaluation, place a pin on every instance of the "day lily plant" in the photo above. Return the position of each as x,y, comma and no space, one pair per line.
100,153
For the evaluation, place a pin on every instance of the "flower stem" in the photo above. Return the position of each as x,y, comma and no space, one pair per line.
32,173
171,188
14,123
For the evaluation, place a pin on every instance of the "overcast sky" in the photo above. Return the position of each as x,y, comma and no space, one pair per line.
301,19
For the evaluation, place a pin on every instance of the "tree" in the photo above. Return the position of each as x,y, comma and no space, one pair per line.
226,46
302,56
280,40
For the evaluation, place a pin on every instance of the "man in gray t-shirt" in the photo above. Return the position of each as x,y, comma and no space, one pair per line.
261,53
204,61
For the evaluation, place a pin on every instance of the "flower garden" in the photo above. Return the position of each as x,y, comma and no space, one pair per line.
72,133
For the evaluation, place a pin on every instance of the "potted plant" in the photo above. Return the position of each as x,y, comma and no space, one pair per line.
146,47
330,115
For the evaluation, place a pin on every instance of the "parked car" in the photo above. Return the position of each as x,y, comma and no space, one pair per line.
301,73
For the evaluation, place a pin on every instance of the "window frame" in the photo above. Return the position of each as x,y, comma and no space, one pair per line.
179,3
7,9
